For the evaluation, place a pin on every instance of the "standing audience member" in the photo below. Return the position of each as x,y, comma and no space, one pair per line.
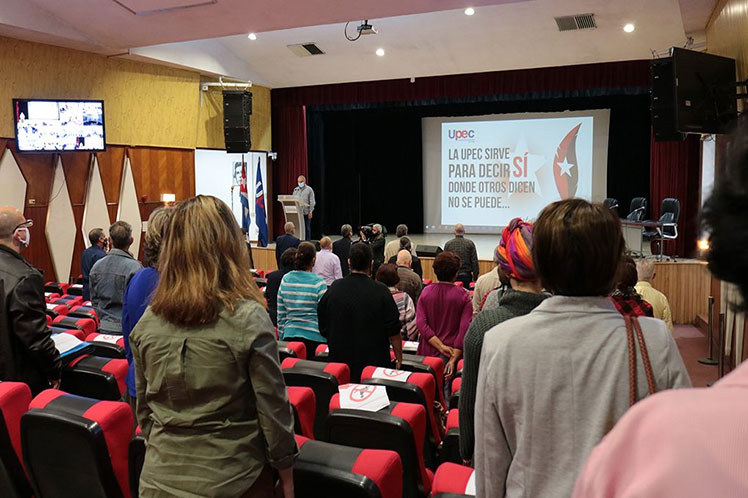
209,385
465,249
299,294
415,265
408,280
27,352
443,315
360,319
552,383
141,288
387,274
90,256
491,300
624,297
285,241
109,278
288,261
305,194
342,248
486,283
690,442
327,264
376,241
514,259
393,247
645,270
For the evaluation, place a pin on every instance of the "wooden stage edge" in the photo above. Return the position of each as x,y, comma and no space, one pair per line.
685,282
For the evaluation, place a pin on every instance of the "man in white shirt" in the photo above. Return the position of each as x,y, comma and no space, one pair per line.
327,264
305,194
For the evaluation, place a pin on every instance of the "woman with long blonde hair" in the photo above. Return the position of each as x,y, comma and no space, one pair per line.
211,401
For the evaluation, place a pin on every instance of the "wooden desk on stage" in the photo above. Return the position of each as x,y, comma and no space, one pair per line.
632,235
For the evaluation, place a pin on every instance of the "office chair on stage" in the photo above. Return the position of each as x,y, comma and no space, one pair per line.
669,214
611,204
638,209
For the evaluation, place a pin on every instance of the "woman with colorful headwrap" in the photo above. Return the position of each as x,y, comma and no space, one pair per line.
514,256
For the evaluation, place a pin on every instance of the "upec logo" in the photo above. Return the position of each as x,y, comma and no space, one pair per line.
461,134
565,170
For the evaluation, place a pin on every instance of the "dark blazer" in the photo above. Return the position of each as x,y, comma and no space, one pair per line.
342,249
27,352
282,243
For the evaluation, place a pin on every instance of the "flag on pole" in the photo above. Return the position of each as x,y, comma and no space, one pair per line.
260,219
244,197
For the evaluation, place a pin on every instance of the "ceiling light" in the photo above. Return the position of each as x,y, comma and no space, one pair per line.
252,36
380,52
629,28
469,11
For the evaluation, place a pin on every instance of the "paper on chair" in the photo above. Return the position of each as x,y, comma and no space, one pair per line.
391,374
67,344
111,339
363,397
410,346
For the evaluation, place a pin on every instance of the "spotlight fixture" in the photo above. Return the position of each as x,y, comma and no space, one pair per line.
469,11
252,36
629,28
380,52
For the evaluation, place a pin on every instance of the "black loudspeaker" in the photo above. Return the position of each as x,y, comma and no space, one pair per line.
662,100
427,251
237,107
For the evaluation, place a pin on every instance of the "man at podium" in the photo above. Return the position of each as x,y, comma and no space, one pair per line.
305,194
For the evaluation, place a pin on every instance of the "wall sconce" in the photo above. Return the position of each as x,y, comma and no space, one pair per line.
168,198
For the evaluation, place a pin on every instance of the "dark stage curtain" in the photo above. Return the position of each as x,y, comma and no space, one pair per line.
289,141
369,163
675,173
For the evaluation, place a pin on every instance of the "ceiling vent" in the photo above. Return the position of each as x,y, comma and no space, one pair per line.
577,22
305,49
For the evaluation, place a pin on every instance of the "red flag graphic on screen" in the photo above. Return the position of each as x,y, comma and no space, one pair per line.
565,170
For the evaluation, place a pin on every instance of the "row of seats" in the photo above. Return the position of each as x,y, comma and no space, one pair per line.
61,445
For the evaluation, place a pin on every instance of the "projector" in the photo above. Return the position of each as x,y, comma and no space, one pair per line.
366,29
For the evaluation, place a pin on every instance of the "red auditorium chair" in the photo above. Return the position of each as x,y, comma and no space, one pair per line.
400,427
426,364
50,296
291,349
450,448
14,402
55,288
458,283
453,481
454,400
49,321
419,389
95,377
303,404
75,290
82,311
79,334
74,446
55,310
323,470
107,346
323,378
86,325
322,353
458,370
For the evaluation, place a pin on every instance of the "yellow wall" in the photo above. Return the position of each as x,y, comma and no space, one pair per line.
145,104
727,33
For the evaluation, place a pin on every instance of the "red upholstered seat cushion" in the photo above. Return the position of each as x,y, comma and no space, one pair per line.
14,402
49,321
456,384
321,349
452,478
297,347
79,334
302,398
384,468
111,339
50,296
116,367
88,310
453,419
116,421
60,309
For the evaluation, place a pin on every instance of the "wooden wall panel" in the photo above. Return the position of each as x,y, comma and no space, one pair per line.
159,171
686,284
264,258
111,167
77,168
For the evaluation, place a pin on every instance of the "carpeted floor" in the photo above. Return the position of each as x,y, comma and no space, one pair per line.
692,345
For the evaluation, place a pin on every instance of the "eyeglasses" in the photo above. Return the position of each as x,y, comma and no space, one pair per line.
25,224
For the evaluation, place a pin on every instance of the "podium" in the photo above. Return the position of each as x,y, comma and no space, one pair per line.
292,210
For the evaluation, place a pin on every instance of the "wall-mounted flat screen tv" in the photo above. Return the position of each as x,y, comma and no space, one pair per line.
59,125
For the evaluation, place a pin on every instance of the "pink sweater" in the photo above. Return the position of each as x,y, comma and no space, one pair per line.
679,443
444,310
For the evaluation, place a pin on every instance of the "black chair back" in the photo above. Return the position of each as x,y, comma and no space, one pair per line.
324,385
135,459
638,209
669,214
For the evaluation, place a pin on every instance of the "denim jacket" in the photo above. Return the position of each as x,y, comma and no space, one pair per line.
108,281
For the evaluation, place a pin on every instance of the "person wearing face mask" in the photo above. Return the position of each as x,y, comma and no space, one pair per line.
27,352
305,194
